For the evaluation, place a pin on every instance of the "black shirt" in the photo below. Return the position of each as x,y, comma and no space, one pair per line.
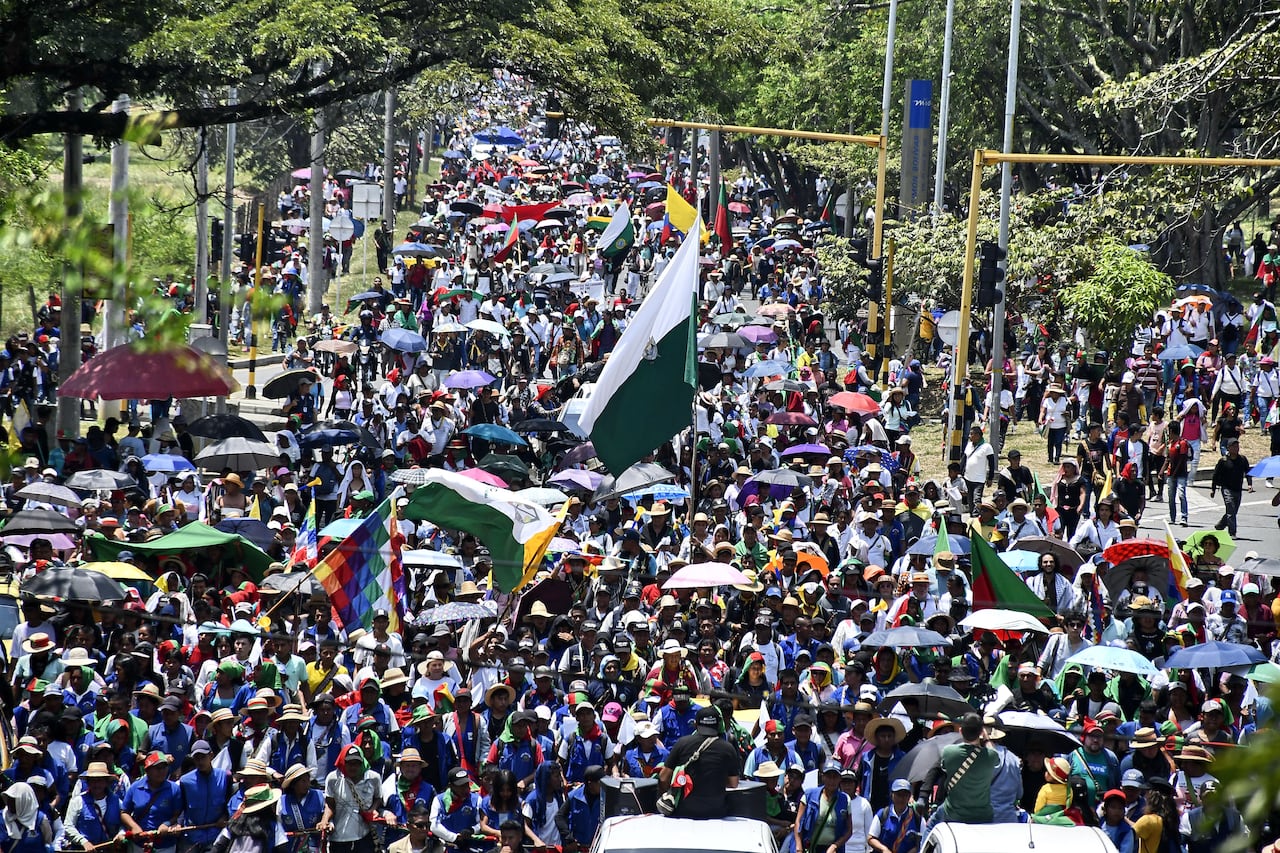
710,774
1229,473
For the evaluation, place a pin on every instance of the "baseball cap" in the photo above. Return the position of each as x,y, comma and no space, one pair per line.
900,785
1229,595
201,747
1133,779
708,721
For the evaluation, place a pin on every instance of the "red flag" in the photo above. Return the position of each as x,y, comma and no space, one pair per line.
722,220
525,211
513,234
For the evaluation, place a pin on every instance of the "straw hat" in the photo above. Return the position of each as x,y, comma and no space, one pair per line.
1143,738
1057,770
768,770
876,723
294,773
394,676
98,770
260,797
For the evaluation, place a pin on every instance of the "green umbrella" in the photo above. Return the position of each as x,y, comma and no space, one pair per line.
461,291
1226,545
1265,673
505,465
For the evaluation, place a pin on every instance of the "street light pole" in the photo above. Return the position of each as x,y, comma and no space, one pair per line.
1006,190
944,112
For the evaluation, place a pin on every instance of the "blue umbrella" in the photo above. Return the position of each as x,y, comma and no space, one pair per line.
250,529
886,458
599,180
926,544
329,438
454,155
768,368
906,637
649,185
783,245
495,432
403,340
1022,562
468,379
1114,658
414,250
1177,352
170,464
1214,654
507,183
340,528
501,135
659,492
1269,467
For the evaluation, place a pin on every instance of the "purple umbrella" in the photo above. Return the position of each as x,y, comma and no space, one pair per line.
577,478
807,450
759,334
578,455
635,176
469,379
496,228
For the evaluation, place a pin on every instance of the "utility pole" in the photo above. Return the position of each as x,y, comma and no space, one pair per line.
228,236
114,320
848,200
713,194
873,348
316,283
201,289
72,277
388,163
944,112
1006,190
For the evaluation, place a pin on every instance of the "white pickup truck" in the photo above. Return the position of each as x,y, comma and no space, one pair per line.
1016,838
655,833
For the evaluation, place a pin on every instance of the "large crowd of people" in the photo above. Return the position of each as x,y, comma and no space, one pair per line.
217,707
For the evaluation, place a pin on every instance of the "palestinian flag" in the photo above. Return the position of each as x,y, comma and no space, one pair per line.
620,236
513,237
996,585
722,229
515,531
644,395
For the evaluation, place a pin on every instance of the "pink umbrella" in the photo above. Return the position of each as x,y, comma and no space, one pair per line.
776,309
706,575
791,419
496,228
59,541
128,373
482,476
301,174
739,207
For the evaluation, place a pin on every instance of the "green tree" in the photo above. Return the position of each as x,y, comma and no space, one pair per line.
1121,292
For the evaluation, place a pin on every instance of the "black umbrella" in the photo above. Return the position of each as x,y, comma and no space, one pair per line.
367,439
638,476
906,637
550,269
36,521
350,175
329,438
540,425
1023,728
504,465
287,383
73,585
302,583
1118,577
465,207
99,479
926,699
783,477
557,595
924,757
218,427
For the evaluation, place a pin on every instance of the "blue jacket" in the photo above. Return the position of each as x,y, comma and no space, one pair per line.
840,815
99,826
204,800
641,766
1121,836
177,742
865,771
151,809
301,814
583,816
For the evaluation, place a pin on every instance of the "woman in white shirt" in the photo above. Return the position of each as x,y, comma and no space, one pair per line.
1053,417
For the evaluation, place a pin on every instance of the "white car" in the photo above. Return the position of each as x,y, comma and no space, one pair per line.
1016,838
655,833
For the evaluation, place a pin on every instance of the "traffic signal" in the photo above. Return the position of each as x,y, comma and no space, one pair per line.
215,241
858,251
990,275
875,280
554,121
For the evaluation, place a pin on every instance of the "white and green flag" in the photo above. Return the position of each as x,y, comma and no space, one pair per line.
620,235
645,393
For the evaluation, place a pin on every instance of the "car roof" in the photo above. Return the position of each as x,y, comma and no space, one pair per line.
658,832
1015,837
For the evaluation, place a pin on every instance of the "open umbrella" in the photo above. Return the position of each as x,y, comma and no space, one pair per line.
1022,562
123,572
253,529
286,384
404,340
783,418
807,450
99,479
782,477
697,575
218,427
758,334
410,476
1129,548
996,619
543,496
491,326
458,611
336,346
129,373
852,401
73,585
761,369
723,340
555,594
776,309
637,477
536,425
1068,557
49,493
468,379
1226,545
482,476
926,544
238,454
329,438
577,479
167,463
905,637
926,699
301,583
1214,654
578,455
1268,467
1256,565
495,432
1114,658
1177,352
466,207
508,467
1117,578
923,758
37,521
1023,729
788,386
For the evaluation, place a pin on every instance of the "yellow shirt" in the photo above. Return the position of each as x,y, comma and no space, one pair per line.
315,675
1149,828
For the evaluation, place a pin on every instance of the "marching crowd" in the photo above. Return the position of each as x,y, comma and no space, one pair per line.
212,709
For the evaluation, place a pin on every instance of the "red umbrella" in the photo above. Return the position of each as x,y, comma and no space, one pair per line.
739,207
128,373
791,419
1130,548
852,401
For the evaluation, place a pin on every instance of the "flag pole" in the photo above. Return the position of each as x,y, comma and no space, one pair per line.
693,319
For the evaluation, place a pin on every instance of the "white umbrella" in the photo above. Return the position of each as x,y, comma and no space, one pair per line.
996,619
491,326
448,327
238,454
543,496
49,493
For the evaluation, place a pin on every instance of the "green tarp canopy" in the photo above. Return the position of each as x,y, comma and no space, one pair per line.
192,537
